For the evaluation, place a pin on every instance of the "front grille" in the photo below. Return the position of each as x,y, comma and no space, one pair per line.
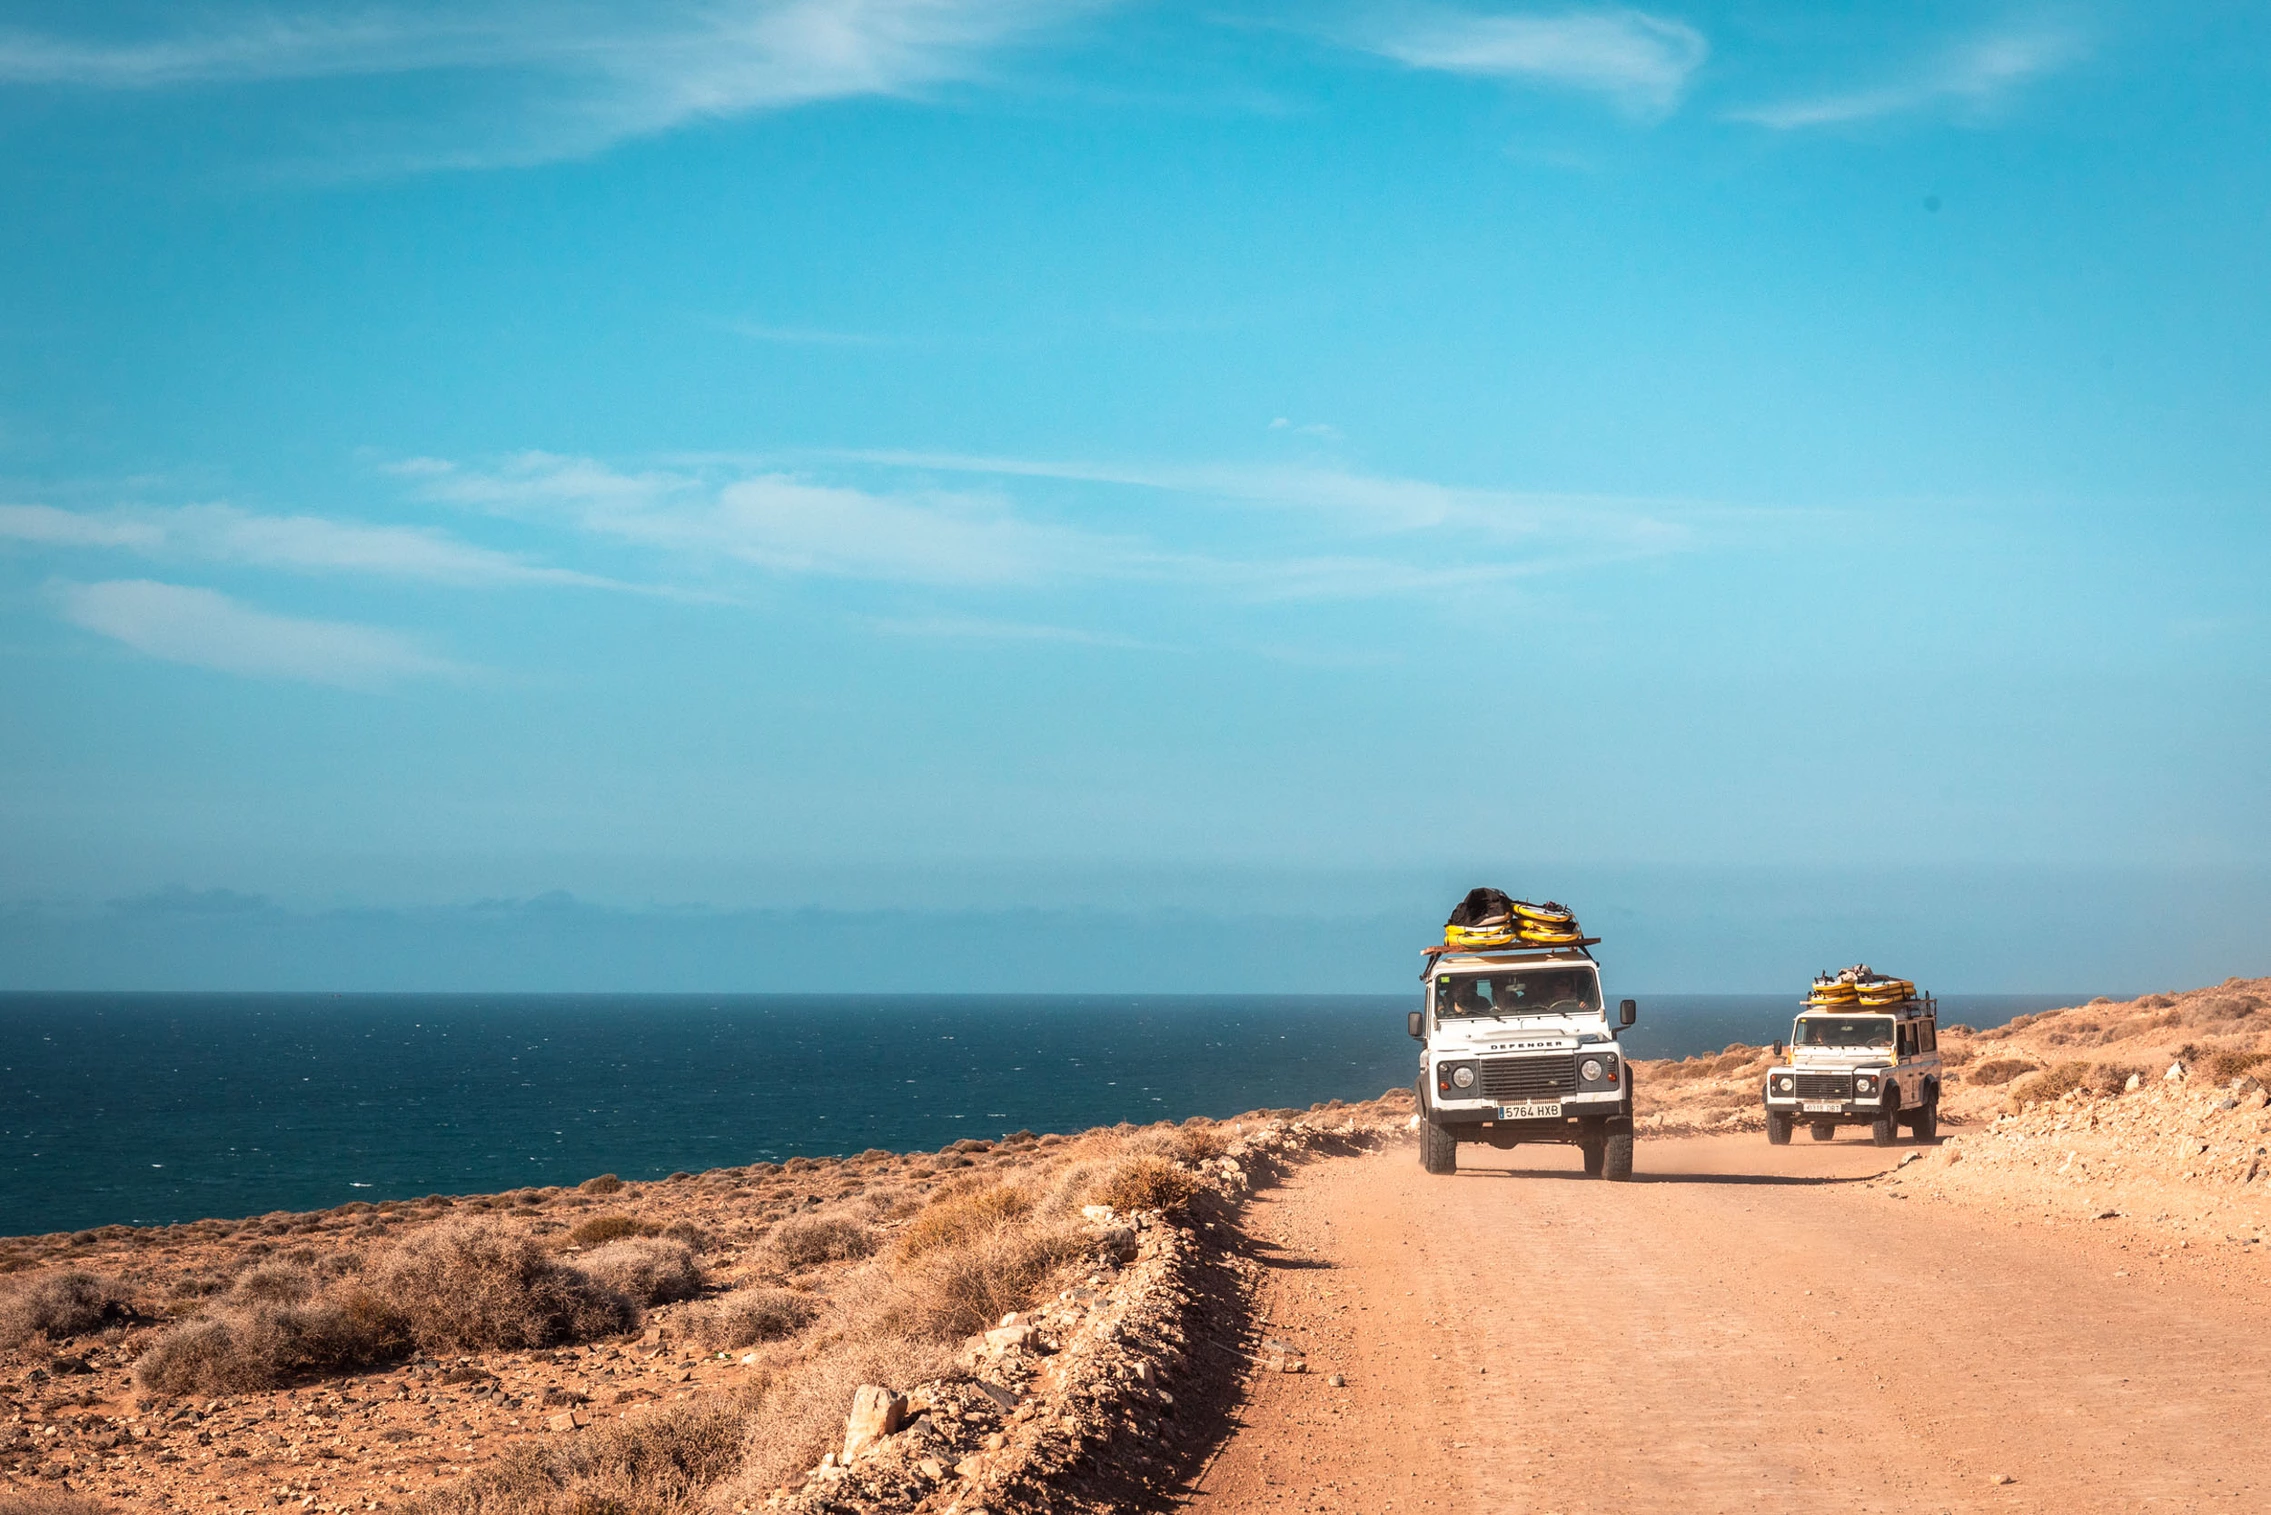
1514,1079
1825,1086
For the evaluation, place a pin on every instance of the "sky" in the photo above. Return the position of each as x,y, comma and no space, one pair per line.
1787,479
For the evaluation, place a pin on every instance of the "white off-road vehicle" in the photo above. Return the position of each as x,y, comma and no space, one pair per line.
1517,1048
1859,1065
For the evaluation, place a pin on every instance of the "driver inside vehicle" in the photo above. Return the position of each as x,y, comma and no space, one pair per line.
1539,993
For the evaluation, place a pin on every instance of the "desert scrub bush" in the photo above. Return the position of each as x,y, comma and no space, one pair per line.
602,1229
806,1240
2051,1082
275,1283
801,1414
647,1270
1198,1144
1997,1071
472,1286
56,1305
956,1218
606,1183
2230,1063
49,1502
659,1463
1146,1183
958,1291
266,1344
746,1317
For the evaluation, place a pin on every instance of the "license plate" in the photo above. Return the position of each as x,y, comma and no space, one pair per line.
1824,1106
1540,1110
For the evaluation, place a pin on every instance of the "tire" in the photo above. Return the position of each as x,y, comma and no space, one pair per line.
1438,1149
1616,1157
1823,1130
1777,1129
1927,1122
1885,1129
1596,1153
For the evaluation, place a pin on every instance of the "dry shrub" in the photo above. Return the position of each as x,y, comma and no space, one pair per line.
1199,1144
746,1317
473,1286
2230,1063
659,1463
955,1219
602,1229
49,1502
802,1413
265,1344
810,1239
1146,1183
959,1291
2091,1078
606,1183
274,1283
57,1305
647,1270
1997,1071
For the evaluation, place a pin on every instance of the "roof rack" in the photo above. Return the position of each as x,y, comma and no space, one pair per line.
1532,950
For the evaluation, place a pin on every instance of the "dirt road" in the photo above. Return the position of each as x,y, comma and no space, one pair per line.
1742,1328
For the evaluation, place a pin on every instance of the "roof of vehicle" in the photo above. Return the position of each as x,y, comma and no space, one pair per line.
1472,959
1923,1004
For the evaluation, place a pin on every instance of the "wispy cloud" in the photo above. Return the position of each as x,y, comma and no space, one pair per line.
981,629
782,522
536,82
302,543
207,629
1974,75
1640,61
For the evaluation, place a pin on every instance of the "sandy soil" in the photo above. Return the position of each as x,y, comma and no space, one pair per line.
1743,1327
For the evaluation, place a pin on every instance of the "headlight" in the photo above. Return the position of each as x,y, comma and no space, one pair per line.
1784,1083
1590,1070
1864,1085
1463,1078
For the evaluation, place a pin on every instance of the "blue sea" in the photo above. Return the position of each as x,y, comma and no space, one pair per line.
150,1108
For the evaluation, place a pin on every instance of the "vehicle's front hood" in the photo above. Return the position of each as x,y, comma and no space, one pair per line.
1538,1034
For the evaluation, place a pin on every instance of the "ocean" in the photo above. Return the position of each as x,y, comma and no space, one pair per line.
144,1109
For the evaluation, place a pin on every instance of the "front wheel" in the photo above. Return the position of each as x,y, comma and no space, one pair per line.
1438,1150
1777,1129
1885,1129
1926,1125
1616,1157
1596,1153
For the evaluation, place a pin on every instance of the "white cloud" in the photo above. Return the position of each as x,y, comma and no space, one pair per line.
223,533
207,629
1641,61
540,81
1975,75
788,524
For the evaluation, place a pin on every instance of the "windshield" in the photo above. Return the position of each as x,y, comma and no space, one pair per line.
1843,1031
1538,991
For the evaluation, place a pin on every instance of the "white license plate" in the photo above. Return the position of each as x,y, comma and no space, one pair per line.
1824,1106
1541,1110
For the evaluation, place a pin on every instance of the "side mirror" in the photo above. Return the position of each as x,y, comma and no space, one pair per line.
1778,1050
1416,1024
1627,1012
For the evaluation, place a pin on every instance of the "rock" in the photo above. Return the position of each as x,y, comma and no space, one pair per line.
1116,1244
2175,1074
876,1413
2136,1081
567,1420
1011,1338
932,1469
1336,1382
1096,1212
2002,1478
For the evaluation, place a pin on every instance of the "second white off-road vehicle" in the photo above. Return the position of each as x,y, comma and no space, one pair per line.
1854,1065
1516,1047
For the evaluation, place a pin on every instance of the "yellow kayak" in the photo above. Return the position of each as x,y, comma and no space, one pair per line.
1538,936
1547,914
1472,936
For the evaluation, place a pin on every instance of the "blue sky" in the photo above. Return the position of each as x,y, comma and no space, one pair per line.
987,454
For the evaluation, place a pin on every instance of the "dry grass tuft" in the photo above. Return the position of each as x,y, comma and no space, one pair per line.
964,1217
57,1305
746,1317
802,1414
472,1286
2224,1066
660,1463
2093,1078
606,1183
274,1283
49,1502
244,1348
958,1291
646,1270
1146,1183
1199,1144
602,1229
1997,1071
812,1239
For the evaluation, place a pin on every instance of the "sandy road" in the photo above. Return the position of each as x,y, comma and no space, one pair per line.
1742,1328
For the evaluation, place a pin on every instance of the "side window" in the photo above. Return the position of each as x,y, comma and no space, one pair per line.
1931,1034
1908,1040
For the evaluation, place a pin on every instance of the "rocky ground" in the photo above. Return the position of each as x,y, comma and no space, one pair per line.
1095,1390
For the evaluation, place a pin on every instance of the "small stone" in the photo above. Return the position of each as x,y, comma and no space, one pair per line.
566,1420
1336,1382
876,1414
2002,1478
932,1469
